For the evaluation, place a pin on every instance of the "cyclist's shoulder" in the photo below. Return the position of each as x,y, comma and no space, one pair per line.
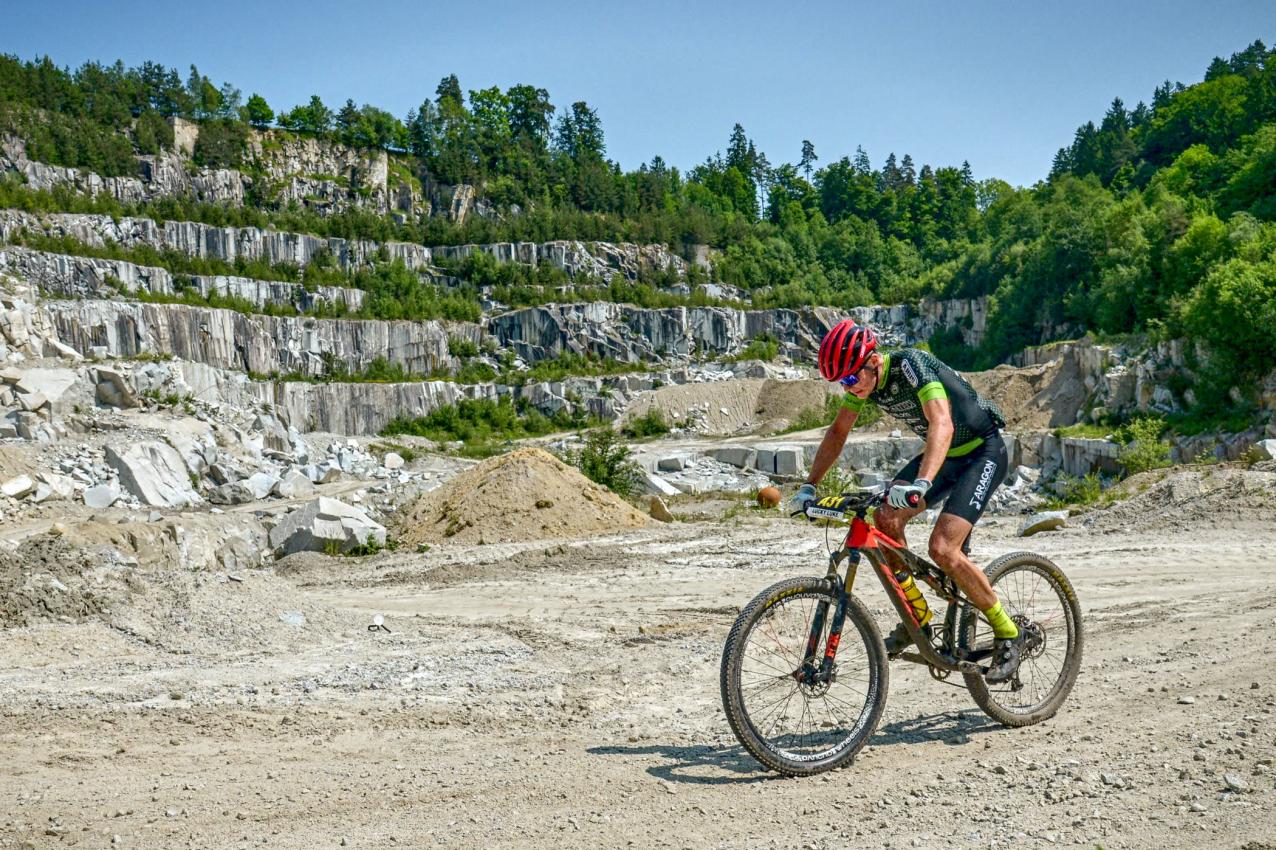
915,366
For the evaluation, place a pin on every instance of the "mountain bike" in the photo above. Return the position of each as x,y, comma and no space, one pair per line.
804,671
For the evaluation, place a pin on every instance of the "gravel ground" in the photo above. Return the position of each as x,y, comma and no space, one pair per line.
566,695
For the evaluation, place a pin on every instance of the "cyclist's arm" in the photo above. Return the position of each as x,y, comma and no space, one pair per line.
831,445
939,436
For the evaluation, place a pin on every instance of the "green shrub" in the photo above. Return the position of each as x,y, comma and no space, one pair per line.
764,346
461,347
1077,491
484,425
605,460
650,424
221,144
1143,448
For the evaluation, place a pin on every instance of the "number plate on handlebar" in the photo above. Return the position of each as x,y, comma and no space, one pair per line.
840,508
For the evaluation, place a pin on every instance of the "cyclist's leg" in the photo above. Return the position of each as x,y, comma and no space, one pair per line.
973,486
965,505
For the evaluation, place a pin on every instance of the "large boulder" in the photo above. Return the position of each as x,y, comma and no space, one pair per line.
155,473
325,525
113,389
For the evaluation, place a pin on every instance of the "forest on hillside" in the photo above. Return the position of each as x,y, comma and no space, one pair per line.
1160,219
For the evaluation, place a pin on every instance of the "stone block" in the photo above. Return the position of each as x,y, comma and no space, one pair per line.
18,486
324,524
673,463
742,457
155,473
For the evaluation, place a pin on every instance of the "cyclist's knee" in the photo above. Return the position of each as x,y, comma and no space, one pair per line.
943,551
892,520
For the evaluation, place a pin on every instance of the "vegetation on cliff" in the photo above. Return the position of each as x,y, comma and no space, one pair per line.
1158,219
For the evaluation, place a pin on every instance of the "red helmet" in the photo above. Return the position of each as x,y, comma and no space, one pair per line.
845,349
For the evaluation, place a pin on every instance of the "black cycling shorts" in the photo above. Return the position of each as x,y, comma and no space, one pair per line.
965,483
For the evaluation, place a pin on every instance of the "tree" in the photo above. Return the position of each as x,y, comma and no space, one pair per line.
257,112
907,172
422,127
230,98
579,133
347,118
529,115
449,88
808,158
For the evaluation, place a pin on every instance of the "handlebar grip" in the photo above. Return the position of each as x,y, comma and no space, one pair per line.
914,499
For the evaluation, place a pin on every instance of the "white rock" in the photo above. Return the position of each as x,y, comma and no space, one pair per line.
61,486
155,473
393,460
102,496
261,483
1266,449
32,401
17,487
1045,521
294,485
325,523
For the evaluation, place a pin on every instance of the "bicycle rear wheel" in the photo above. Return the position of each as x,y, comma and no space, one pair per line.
1038,597
792,721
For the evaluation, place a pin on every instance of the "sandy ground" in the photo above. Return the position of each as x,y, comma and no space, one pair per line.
566,695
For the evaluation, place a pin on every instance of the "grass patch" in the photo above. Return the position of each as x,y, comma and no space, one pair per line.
763,347
484,427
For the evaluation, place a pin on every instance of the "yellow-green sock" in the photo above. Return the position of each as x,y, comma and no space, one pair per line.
1002,625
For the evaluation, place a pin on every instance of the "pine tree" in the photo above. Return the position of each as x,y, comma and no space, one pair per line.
862,164
808,158
449,87
907,173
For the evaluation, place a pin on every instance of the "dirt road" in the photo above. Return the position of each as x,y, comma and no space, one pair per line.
566,695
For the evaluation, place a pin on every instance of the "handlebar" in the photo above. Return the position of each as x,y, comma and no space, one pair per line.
850,504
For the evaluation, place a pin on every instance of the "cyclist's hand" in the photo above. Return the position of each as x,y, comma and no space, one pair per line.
908,495
805,493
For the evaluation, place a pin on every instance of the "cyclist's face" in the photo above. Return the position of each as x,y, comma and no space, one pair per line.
865,378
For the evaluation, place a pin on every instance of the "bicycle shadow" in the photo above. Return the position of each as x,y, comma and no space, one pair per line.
699,764
953,728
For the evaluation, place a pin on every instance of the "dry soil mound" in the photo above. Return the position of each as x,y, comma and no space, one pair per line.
1183,497
525,495
1031,396
45,579
747,405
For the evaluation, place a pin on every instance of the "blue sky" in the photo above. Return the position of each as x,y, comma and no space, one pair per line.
1002,84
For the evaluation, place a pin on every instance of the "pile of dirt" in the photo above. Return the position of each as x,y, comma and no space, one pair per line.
1185,496
525,495
744,406
44,580
1031,397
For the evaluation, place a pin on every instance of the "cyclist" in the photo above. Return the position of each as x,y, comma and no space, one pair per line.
963,463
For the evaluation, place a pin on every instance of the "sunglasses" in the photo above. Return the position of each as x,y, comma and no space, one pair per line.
851,380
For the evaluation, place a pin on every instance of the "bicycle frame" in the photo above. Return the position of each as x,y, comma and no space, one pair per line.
867,542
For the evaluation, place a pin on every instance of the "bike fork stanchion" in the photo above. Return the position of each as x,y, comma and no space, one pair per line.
835,634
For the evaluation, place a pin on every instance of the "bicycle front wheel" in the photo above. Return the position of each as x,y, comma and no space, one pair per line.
789,715
1038,597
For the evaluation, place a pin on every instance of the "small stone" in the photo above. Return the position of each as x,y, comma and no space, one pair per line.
1235,783
1197,807
1187,700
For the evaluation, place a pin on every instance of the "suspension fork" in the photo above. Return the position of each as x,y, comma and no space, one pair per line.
841,591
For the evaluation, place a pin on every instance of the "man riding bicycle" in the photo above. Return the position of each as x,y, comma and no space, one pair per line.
963,463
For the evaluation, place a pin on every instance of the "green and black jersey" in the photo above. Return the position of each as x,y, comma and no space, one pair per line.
911,377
